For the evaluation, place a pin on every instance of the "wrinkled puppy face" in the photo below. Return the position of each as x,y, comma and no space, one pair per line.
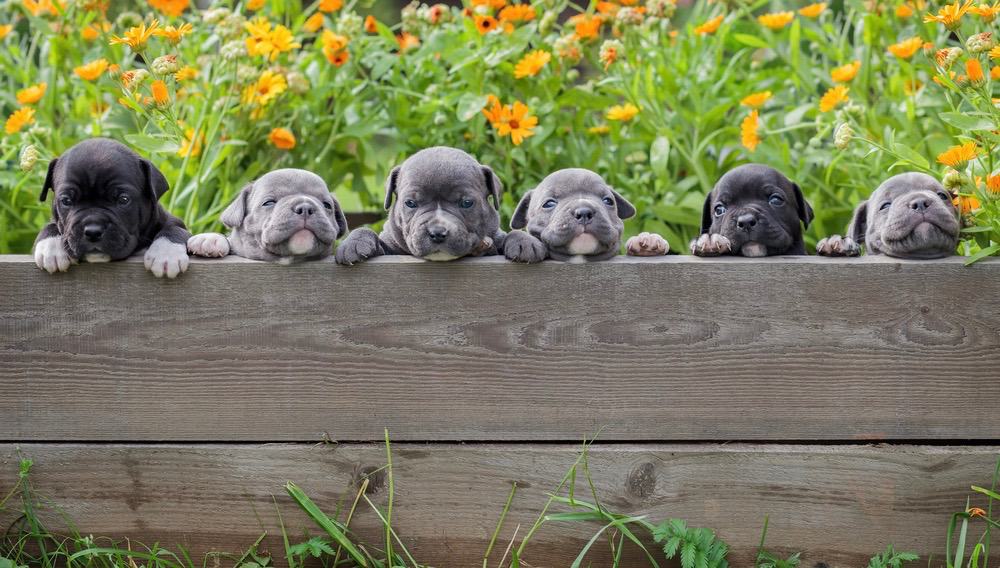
289,213
574,212
758,209
909,216
442,209
104,195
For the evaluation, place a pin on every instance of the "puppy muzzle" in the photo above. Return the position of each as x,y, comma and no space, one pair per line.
921,226
581,227
442,236
98,236
755,233
299,227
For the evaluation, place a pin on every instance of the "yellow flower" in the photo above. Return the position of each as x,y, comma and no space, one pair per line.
313,23
5,30
335,48
624,113
986,12
191,145
91,71
813,10
600,129
32,94
268,86
170,7
531,64
185,73
160,93
995,73
975,71
330,5
19,119
756,100
174,34
282,138
137,37
993,183
906,48
42,7
493,111
833,97
995,52
254,5
966,203
950,15
776,20
748,131
517,122
94,31
267,42
710,26
957,156
845,73
904,11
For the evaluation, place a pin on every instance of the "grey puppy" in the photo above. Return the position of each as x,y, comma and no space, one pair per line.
446,207
106,208
910,215
574,213
753,210
287,216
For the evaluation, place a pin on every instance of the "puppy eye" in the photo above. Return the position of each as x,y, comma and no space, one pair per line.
328,205
410,203
885,206
720,210
549,204
268,203
66,200
466,203
776,200
944,196
124,199
608,201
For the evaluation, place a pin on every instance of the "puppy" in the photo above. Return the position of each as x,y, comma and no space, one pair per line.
574,214
909,216
446,207
286,216
106,208
754,210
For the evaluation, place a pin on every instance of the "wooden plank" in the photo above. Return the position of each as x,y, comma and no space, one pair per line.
837,504
651,349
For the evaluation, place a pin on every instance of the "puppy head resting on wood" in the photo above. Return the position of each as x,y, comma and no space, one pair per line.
754,210
106,208
910,215
287,215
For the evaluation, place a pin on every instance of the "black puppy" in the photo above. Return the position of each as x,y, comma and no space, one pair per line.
753,210
106,208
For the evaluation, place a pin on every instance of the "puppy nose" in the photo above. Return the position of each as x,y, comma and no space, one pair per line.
746,221
584,214
304,209
920,204
93,232
437,234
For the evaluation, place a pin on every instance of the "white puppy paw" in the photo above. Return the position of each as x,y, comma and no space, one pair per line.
836,245
166,258
51,256
647,244
711,245
210,245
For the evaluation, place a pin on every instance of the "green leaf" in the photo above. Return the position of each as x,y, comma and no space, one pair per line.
659,154
469,105
670,549
987,492
688,553
752,41
967,122
329,525
152,145
910,155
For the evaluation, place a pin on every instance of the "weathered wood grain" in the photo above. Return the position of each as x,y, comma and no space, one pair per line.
838,504
652,349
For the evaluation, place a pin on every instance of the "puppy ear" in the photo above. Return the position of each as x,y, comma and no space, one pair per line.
49,179
338,215
156,183
493,185
520,217
390,186
233,216
859,223
706,214
802,206
625,209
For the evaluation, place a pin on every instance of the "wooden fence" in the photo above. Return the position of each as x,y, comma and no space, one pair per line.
853,401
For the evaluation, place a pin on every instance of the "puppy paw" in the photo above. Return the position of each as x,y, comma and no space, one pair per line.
836,245
166,258
359,246
522,247
647,244
51,256
209,245
711,245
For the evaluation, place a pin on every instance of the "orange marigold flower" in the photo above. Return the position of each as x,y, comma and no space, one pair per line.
966,204
622,113
137,36
904,11
170,7
313,23
995,73
986,12
93,31
586,27
338,58
833,97
19,119
160,93
957,156
531,64
710,26
608,8
493,111
748,131
517,13
485,24
282,138
516,122
185,73
776,20
993,183
407,41
975,71
254,5
41,7
845,73
950,15
492,4
5,30
756,100
813,10
906,48
976,512
174,34
91,71
371,24
330,5
32,94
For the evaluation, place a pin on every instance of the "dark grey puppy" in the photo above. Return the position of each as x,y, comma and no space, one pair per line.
574,214
754,210
910,215
287,215
442,211
106,208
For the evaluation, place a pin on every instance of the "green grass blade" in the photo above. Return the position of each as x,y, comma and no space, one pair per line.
326,523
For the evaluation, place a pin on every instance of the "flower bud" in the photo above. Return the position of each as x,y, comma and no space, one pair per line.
231,27
165,65
947,56
349,24
215,15
979,43
233,50
629,16
127,20
953,180
29,156
842,136
545,24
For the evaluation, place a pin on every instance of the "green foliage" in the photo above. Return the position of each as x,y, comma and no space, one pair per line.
891,559
697,547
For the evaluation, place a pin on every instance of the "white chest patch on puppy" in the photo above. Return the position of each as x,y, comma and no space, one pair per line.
302,242
97,257
50,255
440,257
166,258
753,250
584,243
